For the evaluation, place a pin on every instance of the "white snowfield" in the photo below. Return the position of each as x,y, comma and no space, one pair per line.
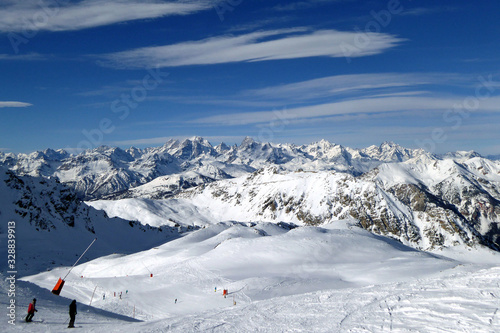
102,171
313,197
334,278
280,277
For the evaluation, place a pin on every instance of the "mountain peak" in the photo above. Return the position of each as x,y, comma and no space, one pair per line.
170,143
461,154
104,170
194,139
389,145
389,151
192,148
324,143
247,139
197,140
247,142
221,148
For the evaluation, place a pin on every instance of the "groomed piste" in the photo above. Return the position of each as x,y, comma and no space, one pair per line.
279,278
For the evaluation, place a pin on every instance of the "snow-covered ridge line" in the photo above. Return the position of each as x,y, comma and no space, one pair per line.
336,278
110,172
423,202
52,225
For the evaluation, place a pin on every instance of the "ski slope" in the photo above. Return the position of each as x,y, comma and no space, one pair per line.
335,278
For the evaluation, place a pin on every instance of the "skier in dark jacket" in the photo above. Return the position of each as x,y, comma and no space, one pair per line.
72,314
31,310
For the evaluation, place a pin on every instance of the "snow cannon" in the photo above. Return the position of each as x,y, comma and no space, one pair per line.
60,283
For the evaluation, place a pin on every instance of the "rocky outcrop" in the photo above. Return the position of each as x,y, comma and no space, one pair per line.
109,172
447,214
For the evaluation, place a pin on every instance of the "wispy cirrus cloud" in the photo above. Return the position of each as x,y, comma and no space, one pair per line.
34,15
420,11
257,46
356,106
23,57
330,88
350,84
12,104
304,4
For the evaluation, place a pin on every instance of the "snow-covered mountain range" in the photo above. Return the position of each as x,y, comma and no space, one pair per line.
110,172
423,200
425,203
280,226
49,216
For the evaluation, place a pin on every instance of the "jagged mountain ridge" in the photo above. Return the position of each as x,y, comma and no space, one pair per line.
110,172
163,186
424,202
50,215
422,199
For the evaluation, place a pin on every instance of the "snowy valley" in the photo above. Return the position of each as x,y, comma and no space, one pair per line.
311,238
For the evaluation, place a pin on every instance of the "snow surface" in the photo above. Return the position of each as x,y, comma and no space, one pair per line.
281,277
240,199
335,278
105,171
424,216
53,227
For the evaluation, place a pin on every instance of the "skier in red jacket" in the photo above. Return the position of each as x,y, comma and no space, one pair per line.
31,310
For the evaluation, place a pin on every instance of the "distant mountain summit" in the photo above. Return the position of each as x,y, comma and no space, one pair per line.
423,200
52,226
110,171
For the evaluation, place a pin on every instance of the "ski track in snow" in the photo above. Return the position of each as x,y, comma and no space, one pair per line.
381,286
331,279
463,302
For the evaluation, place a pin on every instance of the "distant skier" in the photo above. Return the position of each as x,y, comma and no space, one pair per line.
72,314
31,311
215,289
103,297
176,301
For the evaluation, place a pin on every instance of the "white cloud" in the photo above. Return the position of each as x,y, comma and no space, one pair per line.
348,84
9,104
257,46
358,106
325,89
35,15
23,57
301,5
419,11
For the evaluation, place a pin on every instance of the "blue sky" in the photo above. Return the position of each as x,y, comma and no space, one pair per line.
79,74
